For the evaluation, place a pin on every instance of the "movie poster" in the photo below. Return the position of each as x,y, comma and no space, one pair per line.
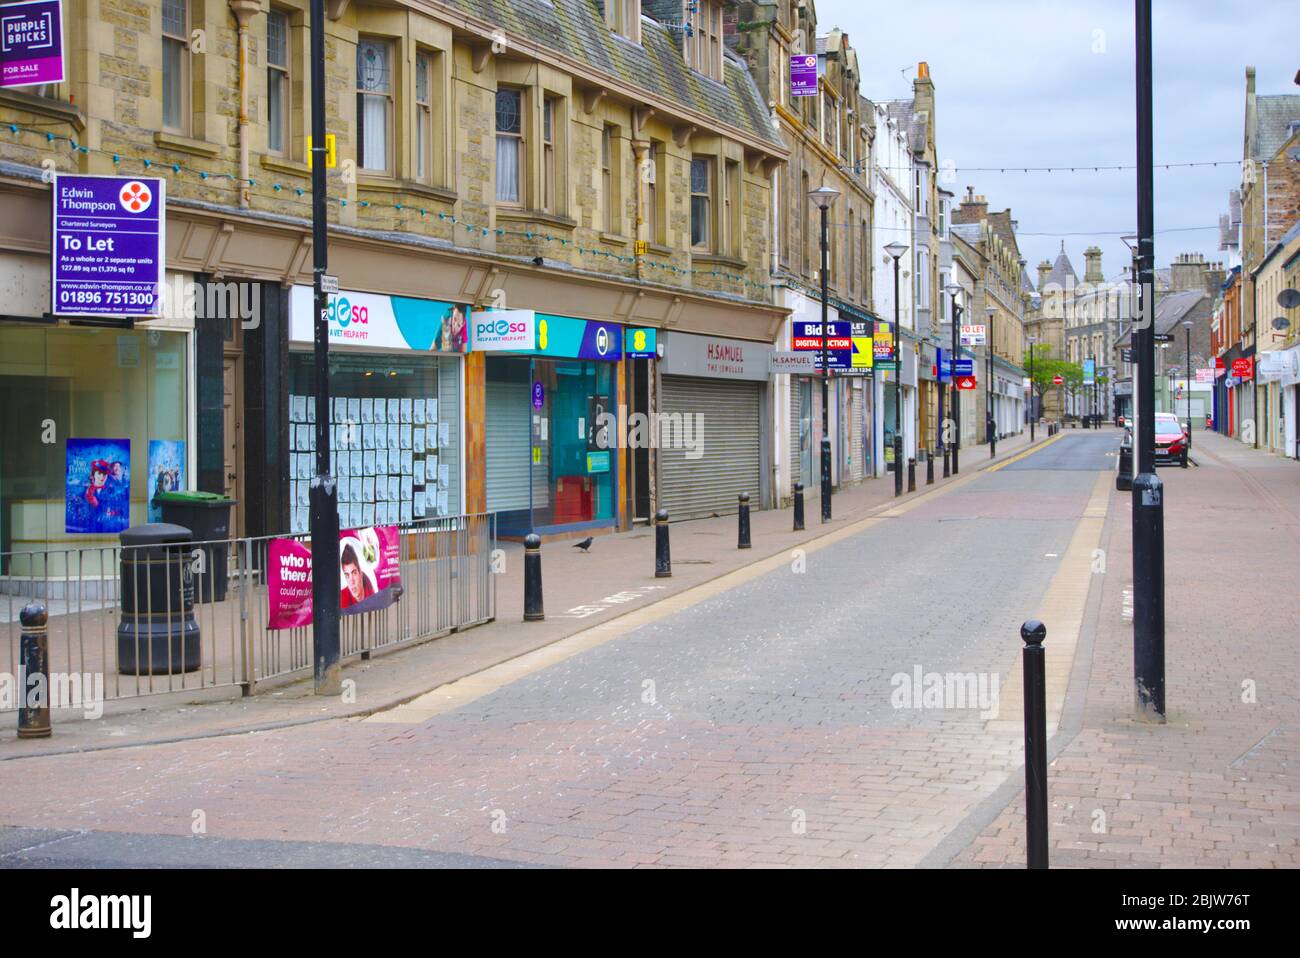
97,490
166,472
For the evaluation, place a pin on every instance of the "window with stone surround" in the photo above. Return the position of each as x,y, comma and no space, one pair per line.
701,202
277,82
510,146
375,105
176,66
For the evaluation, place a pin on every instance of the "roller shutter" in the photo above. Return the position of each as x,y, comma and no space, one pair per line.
507,433
858,433
732,446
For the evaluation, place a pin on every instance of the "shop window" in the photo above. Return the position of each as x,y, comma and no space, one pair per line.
277,81
118,396
374,105
395,438
510,146
176,65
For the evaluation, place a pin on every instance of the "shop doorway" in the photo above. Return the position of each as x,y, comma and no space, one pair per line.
233,439
638,390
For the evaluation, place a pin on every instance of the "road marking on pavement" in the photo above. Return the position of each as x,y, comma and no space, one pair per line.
1062,611
1023,455
453,695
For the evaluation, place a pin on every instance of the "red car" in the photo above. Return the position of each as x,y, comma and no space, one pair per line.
1171,439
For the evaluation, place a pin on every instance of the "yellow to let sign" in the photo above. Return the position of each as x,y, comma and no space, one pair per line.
642,247
862,354
331,152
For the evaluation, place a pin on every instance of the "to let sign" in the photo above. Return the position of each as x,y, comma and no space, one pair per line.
803,75
973,335
107,246
31,43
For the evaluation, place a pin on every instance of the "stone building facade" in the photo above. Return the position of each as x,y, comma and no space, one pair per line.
591,161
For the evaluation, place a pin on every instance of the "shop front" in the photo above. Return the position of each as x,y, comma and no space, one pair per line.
396,416
712,416
551,424
96,415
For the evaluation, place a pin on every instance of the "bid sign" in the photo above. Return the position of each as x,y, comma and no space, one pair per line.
807,337
107,254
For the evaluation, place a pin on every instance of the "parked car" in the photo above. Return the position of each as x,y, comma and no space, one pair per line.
1171,439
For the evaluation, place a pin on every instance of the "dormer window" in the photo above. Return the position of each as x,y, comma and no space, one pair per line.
704,42
624,18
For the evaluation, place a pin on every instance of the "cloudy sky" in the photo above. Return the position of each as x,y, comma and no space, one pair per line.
1034,83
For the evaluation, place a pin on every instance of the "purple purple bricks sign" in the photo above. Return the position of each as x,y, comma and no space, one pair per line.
803,75
107,257
31,43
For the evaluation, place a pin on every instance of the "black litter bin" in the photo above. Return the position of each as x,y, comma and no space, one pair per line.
158,634
207,515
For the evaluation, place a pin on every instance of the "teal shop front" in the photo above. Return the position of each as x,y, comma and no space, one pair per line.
552,455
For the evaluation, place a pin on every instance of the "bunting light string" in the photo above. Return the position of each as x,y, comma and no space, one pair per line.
156,166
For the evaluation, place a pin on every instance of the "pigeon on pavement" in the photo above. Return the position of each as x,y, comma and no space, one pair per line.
584,545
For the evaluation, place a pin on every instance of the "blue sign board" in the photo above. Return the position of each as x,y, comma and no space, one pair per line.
965,367
578,338
803,75
107,248
31,43
539,395
1089,371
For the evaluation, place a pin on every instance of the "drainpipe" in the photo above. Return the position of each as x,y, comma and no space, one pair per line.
243,11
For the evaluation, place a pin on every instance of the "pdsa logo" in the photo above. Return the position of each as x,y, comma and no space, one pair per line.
503,329
343,313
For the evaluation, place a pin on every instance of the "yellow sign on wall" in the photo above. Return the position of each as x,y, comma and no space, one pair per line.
862,353
331,152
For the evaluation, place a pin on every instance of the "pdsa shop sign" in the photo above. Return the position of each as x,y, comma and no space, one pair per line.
108,257
500,329
31,43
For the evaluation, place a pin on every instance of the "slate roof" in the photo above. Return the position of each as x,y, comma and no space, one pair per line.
1171,309
1062,270
577,29
1273,118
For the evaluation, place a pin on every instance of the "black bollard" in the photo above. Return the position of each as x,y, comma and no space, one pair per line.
798,507
663,561
1033,632
947,459
534,610
911,475
742,539
34,656
898,465
929,468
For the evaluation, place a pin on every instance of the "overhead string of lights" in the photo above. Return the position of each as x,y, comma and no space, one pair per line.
161,167
1076,168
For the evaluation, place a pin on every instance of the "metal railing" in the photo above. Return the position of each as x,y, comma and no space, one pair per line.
179,617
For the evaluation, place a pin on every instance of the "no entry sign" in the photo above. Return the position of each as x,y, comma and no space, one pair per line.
1057,380
107,246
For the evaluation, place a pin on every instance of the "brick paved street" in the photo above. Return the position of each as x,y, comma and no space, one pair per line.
757,726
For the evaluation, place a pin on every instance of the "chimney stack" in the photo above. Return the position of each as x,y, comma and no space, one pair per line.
1092,270
1044,270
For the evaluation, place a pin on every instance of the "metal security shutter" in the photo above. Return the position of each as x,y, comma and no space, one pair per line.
732,446
449,412
796,460
507,424
857,437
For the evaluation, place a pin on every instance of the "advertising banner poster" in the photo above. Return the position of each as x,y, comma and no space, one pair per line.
369,569
97,485
803,75
166,472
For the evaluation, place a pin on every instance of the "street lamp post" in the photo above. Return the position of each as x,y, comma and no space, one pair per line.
825,197
989,423
952,289
1187,377
896,250
323,499
1148,489
1033,388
